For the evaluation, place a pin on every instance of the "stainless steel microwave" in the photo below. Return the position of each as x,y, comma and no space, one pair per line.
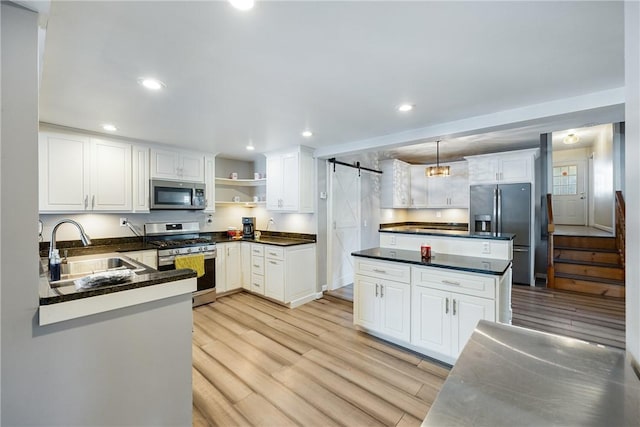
177,195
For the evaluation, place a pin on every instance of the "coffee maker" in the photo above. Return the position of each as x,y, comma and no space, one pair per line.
248,227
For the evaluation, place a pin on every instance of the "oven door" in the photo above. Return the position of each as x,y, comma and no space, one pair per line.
206,288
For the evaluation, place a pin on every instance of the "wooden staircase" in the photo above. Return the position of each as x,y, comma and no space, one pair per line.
589,265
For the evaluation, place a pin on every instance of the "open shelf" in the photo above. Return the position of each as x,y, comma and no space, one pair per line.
241,182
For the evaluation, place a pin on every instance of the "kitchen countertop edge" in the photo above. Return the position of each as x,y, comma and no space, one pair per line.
447,233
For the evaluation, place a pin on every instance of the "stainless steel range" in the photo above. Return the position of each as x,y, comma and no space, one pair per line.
183,238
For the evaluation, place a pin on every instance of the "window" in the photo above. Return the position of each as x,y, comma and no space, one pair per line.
565,179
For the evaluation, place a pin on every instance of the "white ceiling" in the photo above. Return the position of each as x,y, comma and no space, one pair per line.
337,68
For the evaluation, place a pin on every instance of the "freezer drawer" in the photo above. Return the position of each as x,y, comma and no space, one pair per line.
521,265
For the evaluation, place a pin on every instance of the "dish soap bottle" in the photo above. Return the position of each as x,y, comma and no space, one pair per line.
54,265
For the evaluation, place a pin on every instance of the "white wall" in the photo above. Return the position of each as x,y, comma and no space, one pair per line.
603,190
632,175
438,215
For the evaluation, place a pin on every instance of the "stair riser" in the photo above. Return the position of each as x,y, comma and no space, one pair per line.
590,271
589,287
585,242
588,256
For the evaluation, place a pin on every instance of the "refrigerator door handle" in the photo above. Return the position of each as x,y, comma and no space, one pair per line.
495,220
520,250
499,207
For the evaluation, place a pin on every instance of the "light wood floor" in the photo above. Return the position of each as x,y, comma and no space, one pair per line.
592,318
345,292
257,363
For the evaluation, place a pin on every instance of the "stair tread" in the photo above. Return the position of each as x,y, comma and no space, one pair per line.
594,264
590,279
572,248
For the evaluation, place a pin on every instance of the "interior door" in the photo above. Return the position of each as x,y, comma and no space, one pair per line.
570,192
344,224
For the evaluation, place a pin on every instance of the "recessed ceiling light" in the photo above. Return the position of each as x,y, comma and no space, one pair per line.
151,84
403,108
307,134
250,146
109,127
242,4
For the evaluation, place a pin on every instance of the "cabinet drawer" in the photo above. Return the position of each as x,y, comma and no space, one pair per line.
464,283
257,265
257,284
257,249
383,270
274,252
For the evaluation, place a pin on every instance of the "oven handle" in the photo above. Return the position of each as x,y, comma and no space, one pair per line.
170,259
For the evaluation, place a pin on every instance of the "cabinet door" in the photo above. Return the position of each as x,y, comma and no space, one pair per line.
232,264
484,170
210,181
140,179
395,309
418,186
402,184
466,311
459,186
221,269
515,169
291,182
110,176
245,261
191,167
438,191
164,164
274,278
365,304
274,182
431,319
64,177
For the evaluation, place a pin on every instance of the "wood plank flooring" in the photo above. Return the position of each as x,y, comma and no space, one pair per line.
258,363
592,318
345,292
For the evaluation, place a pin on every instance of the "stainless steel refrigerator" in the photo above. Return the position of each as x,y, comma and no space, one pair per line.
505,208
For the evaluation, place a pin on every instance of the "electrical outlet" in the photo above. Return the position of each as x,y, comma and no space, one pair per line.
486,248
393,240
123,222
209,219
438,214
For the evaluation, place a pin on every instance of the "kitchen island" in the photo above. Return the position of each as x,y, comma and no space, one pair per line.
428,305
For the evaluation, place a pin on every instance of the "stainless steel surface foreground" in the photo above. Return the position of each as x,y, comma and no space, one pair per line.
511,376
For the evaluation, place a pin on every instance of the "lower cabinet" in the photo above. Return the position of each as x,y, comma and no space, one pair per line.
245,262
228,272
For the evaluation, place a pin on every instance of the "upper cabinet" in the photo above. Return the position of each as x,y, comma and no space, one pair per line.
395,184
508,167
290,180
177,165
418,186
79,173
449,191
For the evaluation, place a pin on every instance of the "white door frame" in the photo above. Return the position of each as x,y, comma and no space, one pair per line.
330,221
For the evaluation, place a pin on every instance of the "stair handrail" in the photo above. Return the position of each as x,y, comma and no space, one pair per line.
550,231
620,226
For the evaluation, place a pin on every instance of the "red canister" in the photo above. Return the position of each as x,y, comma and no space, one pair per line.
425,251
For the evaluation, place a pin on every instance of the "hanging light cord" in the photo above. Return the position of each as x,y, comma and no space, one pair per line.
438,155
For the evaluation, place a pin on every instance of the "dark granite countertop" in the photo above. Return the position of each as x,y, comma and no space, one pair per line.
147,277
511,376
269,238
411,229
452,262
98,246
430,225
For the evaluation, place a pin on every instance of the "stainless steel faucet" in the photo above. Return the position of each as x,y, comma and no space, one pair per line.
83,236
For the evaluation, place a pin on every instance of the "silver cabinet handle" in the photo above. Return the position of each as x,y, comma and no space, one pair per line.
376,290
381,291
256,251
446,306
86,201
273,254
377,270
256,266
450,282
454,307
256,285
93,201
273,262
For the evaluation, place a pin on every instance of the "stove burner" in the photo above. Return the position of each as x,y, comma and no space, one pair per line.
180,243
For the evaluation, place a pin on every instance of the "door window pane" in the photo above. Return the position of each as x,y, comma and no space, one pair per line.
565,180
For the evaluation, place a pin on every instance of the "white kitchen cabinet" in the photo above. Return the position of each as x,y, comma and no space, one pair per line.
395,184
210,182
148,257
256,284
80,174
140,178
507,167
446,307
177,165
382,305
274,278
245,261
290,181
228,267
418,186
449,191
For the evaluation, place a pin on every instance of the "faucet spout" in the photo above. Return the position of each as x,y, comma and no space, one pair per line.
83,236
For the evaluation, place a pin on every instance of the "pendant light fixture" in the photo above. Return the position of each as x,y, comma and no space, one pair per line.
437,170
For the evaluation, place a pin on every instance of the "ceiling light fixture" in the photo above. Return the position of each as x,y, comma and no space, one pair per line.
243,4
403,108
250,146
307,134
437,170
109,127
571,139
151,84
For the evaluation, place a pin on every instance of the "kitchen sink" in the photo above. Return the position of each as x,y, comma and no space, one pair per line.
77,267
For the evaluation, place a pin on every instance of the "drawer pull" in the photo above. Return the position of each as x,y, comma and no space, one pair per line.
273,254
376,290
451,282
377,270
256,285
256,251
273,262
256,266
381,291
446,306
454,307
